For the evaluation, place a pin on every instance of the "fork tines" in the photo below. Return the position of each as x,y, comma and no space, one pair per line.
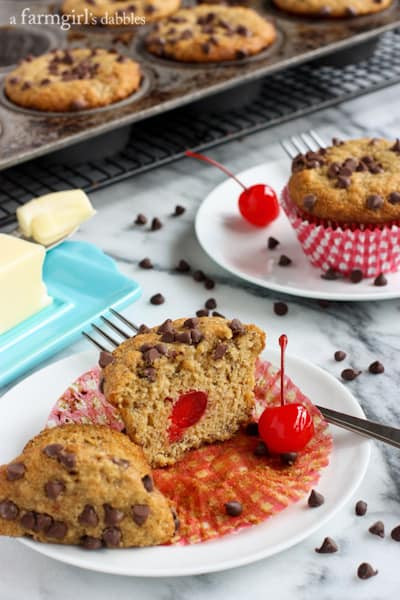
309,140
122,333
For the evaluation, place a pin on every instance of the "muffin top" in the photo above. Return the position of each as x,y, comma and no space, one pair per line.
333,8
351,182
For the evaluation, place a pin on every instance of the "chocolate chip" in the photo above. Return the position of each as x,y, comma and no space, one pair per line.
272,243
340,355
68,460
394,198
28,520
140,513
376,368
121,462
26,86
220,351
210,304
183,337
361,508
106,358
343,182
161,349
168,337
166,327
54,488
218,314
148,483
284,261
15,471
309,201
157,299
112,516
328,546
78,104
156,224
233,508
350,374
281,308
8,510
91,543
288,458
196,336
381,280
150,356
351,12
261,450
141,219
396,146
378,529
356,276
112,537
237,327
88,516
202,313
209,284
43,522
199,276
57,530
183,266
395,533
179,210
143,329
330,275
337,142
146,263
191,323
365,571
374,202
150,373
315,499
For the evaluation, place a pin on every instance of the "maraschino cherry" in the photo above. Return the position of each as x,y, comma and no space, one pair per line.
288,427
187,411
258,204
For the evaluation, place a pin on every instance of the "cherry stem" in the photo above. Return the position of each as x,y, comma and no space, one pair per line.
213,162
283,342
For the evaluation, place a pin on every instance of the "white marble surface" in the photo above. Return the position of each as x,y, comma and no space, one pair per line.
367,331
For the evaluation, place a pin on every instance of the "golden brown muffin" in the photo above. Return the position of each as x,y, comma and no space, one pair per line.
333,8
210,33
106,12
83,485
70,80
352,182
184,384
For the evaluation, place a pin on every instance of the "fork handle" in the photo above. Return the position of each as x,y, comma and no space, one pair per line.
383,433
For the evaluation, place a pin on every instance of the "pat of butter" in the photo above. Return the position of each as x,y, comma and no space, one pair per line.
23,292
51,217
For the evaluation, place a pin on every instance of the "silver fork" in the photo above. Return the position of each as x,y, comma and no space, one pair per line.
305,142
363,427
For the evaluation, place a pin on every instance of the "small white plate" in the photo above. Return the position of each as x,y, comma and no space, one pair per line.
24,411
242,249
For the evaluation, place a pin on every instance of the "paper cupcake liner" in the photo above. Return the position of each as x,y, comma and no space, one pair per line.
200,484
372,250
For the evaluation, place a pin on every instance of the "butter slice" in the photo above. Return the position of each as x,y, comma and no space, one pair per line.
49,218
22,291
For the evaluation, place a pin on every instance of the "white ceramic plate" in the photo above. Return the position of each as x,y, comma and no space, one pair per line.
24,411
241,248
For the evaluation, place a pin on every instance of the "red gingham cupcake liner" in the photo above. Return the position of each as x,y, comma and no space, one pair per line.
372,250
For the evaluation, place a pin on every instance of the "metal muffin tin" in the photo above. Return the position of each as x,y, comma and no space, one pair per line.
26,134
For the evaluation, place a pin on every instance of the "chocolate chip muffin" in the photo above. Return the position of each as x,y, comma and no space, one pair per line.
333,8
70,80
184,384
117,13
352,182
211,33
83,485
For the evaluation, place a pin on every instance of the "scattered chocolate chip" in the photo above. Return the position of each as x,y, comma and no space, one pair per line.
148,483
378,529
67,459
394,198
105,358
140,513
112,537
288,458
309,201
157,299
251,429
218,314
233,508
210,304
381,280
261,450
330,275
57,530
112,516
54,488
365,571
337,142
361,508
183,266
143,329
220,351
91,543
202,313
374,202
272,243
179,210
209,284
350,374
340,355
146,263
121,462
166,327
141,219
356,276
156,224
376,368
8,510
88,516
281,308
315,499
328,546
284,261
199,276
15,471
237,327
191,323
395,533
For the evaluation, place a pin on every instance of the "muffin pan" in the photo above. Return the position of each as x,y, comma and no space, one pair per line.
31,133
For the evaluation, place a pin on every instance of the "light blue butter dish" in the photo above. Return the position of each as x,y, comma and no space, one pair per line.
83,282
